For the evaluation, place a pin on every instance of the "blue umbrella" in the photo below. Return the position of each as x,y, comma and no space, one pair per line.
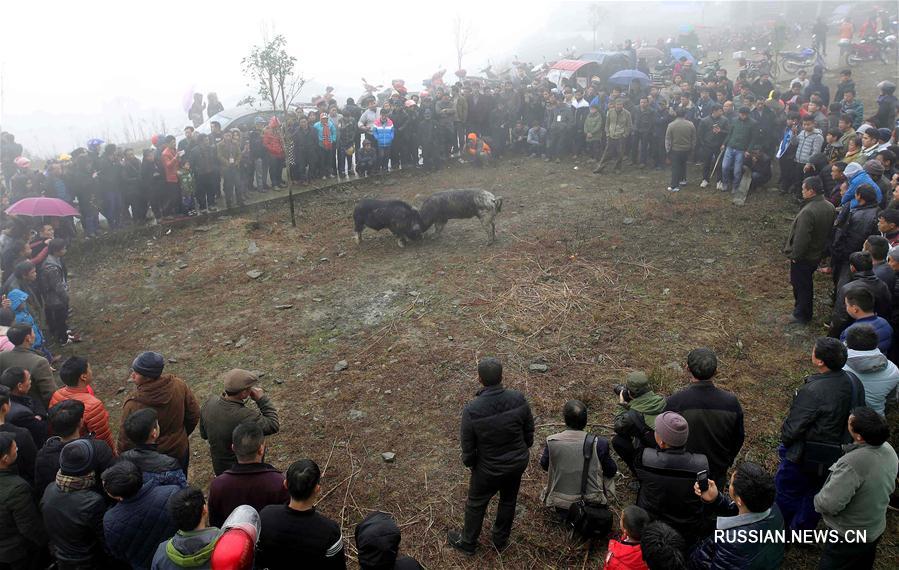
626,76
678,53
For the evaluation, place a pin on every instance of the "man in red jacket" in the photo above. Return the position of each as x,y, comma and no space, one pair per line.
77,376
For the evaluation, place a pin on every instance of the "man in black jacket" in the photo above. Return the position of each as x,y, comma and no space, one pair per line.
73,510
862,269
667,475
714,415
851,230
497,431
21,406
813,431
27,451
66,420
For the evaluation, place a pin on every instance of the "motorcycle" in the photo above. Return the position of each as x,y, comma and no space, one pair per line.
795,61
760,63
709,71
869,49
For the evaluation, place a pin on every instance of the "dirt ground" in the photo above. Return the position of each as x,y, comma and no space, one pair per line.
592,276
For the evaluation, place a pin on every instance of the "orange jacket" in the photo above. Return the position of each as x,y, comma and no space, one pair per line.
96,418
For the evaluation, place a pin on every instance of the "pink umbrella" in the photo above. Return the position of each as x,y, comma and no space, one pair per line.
42,206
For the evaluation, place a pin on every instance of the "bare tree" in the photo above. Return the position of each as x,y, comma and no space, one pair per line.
273,71
462,37
596,16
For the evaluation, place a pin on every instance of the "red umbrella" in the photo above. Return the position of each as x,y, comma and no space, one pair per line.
42,206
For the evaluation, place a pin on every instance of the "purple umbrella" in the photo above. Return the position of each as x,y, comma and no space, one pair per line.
53,207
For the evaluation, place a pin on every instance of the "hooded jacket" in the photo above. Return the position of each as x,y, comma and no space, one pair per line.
730,551
856,180
879,376
162,468
191,549
378,541
178,413
54,282
881,327
624,556
18,300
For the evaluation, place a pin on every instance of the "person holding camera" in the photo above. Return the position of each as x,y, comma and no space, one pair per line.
635,421
750,509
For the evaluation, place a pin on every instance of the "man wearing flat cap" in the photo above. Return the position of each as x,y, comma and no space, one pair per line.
221,414
176,407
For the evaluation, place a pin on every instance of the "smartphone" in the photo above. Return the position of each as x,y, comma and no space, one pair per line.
703,479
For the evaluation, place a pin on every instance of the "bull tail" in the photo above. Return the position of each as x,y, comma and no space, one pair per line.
498,202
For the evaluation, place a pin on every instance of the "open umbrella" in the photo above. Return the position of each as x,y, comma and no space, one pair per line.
678,53
650,53
626,76
53,207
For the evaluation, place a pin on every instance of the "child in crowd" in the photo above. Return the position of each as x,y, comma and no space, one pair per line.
625,553
365,159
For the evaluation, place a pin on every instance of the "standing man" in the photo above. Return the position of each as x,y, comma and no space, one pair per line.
228,154
857,492
736,147
813,432
714,415
618,128
22,534
712,133
497,431
43,384
805,246
680,138
221,414
177,409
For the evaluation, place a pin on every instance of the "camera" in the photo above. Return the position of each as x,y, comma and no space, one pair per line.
621,390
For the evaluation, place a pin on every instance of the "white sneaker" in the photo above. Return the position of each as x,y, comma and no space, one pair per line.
704,183
719,186
675,189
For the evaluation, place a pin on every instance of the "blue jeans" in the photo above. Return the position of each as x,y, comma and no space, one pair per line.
732,168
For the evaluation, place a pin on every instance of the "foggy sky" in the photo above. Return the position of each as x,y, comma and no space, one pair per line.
86,72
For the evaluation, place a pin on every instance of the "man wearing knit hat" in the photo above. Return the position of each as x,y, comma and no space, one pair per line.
73,509
874,168
222,413
176,407
667,474
635,419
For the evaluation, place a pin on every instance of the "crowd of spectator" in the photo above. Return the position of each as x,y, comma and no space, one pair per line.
79,494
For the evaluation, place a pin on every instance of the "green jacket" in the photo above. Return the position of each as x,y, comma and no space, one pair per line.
649,404
680,135
461,109
811,228
742,134
857,491
219,417
21,529
593,126
619,125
